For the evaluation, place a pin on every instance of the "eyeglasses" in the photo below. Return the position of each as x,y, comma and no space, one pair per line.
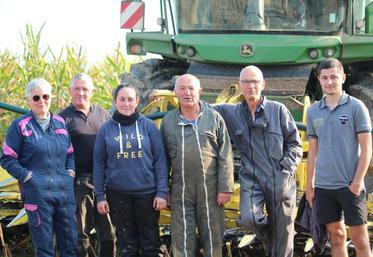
36,98
248,82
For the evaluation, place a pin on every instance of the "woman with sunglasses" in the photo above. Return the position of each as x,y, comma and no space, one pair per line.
37,151
130,175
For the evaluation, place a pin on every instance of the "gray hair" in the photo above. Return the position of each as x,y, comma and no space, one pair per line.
253,68
83,77
38,83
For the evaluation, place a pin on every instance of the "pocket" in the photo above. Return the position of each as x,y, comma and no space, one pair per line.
361,195
276,144
285,185
210,135
67,181
209,144
241,142
32,214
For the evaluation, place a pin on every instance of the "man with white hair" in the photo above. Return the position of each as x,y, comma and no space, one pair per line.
200,154
83,121
266,136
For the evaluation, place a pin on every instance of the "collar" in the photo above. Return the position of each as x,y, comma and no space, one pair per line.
259,107
182,121
74,109
36,118
261,120
125,120
202,107
344,99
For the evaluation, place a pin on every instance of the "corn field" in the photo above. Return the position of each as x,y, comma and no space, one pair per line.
58,69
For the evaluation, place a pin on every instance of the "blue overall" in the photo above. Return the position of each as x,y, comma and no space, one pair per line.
270,150
48,195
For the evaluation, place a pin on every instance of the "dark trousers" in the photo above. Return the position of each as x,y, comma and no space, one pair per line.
136,224
89,218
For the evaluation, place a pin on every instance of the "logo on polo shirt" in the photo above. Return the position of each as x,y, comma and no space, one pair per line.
343,119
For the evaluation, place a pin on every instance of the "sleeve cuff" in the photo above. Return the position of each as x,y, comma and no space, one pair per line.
28,177
162,195
100,198
72,172
225,189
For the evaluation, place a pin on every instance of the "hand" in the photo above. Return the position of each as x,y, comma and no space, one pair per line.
103,207
71,173
159,203
154,96
223,198
310,196
355,189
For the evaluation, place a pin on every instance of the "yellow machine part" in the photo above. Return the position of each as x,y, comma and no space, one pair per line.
7,182
9,193
9,190
7,212
230,95
165,217
163,100
301,176
10,197
20,219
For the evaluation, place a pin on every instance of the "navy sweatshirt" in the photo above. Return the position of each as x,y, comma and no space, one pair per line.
130,159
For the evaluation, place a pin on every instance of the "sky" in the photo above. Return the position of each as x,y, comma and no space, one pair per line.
92,24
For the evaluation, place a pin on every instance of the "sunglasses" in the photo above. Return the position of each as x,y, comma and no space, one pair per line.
36,98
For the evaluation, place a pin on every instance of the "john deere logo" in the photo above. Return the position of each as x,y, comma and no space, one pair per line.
246,50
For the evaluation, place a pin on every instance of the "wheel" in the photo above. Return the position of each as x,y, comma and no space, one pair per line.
363,90
153,74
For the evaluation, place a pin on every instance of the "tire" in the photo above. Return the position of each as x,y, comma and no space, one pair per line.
153,74
363,90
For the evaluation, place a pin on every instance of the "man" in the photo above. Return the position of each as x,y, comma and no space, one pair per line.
338,129
200,154
266,136
83,121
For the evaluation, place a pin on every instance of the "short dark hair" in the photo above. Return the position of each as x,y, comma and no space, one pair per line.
125,85
330,63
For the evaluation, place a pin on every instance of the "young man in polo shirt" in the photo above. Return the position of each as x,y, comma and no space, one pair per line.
339,131
83,121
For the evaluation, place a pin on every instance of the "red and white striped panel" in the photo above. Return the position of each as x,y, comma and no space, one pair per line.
132,15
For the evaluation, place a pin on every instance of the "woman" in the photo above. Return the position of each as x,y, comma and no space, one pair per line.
130,164
37,151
